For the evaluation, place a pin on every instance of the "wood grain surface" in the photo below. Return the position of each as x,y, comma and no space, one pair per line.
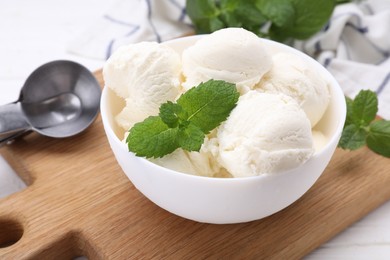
79,202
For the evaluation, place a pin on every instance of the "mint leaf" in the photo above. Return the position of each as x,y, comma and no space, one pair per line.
229,4
280,12
352,138
349,117
364,108
191,137
310,17
215,24
230,20
378,139
201,12
209,104
185,123
152,138
246,15
169,113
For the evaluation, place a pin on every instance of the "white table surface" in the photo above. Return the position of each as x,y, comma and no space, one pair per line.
38,31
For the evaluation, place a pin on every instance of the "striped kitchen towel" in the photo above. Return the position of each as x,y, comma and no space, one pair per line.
354,46
130,21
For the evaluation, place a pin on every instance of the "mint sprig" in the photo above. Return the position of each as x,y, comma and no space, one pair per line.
185,123
361,128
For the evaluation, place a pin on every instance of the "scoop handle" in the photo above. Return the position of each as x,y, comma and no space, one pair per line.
12,122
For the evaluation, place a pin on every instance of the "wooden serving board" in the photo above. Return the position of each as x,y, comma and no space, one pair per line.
79,202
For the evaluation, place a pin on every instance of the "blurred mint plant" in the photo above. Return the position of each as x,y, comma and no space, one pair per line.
279,20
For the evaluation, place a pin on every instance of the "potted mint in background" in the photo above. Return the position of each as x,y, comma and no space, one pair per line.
285,21
279,20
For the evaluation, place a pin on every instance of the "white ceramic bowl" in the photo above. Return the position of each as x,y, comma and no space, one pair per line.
226,200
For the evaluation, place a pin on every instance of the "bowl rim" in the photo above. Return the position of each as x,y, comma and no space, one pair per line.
336,93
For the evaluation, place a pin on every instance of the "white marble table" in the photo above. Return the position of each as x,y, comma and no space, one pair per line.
35,32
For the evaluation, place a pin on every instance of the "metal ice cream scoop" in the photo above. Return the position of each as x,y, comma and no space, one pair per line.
59,99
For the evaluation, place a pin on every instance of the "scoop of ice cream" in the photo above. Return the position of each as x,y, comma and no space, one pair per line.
146,75
292,76
233,54
200,163
265,133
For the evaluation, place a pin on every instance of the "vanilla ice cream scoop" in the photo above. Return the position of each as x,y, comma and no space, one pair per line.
196,163
233,54
146,75
265,133
292,76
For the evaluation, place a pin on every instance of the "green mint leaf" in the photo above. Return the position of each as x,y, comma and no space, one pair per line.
364,108
201,12
349,117
152,138
248,16
230,19
378,139
169,113
191,137
229,4
280,12
310,17
352,137
201,9
209,104
216,24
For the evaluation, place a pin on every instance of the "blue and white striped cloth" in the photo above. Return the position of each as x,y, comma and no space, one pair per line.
130,21
354,46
